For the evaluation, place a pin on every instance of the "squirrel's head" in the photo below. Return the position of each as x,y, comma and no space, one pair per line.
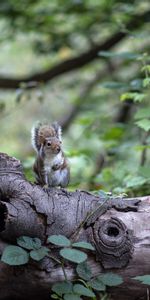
41,134
51,146
45,132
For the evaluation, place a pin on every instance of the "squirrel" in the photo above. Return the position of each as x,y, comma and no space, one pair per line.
51,167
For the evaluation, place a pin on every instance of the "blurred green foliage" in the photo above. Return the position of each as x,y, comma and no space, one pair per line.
105,151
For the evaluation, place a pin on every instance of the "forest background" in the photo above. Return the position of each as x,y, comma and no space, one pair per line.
86,64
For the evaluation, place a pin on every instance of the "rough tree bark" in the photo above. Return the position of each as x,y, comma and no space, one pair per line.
118,228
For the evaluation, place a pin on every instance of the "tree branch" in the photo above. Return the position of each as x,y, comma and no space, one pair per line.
76,62
114,227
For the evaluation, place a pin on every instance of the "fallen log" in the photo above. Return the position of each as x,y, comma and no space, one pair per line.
118,228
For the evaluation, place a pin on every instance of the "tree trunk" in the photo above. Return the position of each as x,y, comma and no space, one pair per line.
118,228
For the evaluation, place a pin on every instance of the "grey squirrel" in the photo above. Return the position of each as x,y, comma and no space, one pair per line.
51,167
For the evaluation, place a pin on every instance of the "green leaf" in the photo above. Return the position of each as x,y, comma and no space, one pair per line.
103,194
82,290
141,147
129,55
97,284
59,240
54,296
86,120
71,297
107,54
136,84
84,245
62,288
146,68
110,279
145,279
142,113
29,243
134,181
144,124
145,172
136,97
73,255
15,256
39,253
114,85
146,82
114,133
84,271
123,55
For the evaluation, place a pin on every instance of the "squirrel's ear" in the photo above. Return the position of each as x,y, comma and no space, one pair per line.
58,130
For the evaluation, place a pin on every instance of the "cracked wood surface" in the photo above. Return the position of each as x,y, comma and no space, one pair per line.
27,209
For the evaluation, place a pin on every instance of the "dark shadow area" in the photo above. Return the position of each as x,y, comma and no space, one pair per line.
3,216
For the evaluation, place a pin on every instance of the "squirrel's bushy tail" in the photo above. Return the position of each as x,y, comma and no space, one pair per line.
35,136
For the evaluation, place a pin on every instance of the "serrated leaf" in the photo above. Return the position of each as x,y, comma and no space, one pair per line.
15,256
73,255
142,113
110,279
59,240
62,288
145,279
83,245
97,284
144,124
82,290
29,243
39,253
72,297
84,271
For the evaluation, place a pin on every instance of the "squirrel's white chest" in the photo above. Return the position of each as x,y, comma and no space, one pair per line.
50,162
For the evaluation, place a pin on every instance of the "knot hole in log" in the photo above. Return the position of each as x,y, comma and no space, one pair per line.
113,242
112,231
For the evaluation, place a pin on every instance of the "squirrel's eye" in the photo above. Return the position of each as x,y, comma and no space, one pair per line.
48,144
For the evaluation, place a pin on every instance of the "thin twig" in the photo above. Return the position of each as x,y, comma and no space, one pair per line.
61,263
